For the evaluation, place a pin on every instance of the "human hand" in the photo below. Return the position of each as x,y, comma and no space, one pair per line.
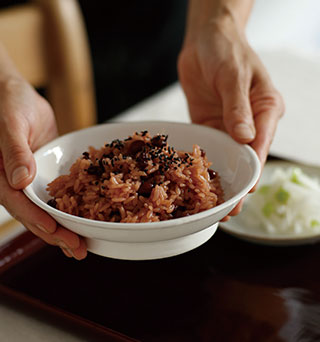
226,85
26,123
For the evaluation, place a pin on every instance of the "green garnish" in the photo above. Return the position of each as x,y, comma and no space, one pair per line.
314,223
282,195
295,177
268,209
264,189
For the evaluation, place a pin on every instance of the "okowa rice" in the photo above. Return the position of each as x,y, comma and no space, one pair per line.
138,179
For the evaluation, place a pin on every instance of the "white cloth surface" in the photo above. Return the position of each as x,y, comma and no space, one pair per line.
297,77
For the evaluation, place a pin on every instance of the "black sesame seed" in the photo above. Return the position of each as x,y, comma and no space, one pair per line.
109,155
101,165
85,155
52,202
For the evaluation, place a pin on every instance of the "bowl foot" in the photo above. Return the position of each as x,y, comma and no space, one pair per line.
150,250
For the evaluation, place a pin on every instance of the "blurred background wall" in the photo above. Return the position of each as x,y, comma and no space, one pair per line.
134,47
135,44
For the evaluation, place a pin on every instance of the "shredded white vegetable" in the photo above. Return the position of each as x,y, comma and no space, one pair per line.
290,203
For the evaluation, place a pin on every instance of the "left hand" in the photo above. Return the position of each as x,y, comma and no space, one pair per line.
227,87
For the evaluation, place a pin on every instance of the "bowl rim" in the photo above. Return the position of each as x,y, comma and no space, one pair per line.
29,192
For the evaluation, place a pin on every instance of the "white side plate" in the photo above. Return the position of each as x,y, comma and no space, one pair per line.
241,227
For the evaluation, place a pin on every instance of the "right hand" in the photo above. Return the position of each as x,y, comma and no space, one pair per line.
26,123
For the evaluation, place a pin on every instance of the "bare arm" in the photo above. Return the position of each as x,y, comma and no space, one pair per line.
226,85
26,123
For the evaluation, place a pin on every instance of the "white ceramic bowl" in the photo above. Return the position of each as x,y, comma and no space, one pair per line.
237,164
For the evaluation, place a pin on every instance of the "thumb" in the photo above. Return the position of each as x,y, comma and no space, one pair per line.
237,112
18,161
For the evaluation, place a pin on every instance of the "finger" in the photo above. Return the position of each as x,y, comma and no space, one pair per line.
237,113
38,221
256,185
225,219
63,238
17,157
21,208
237,209
80,252
268,108
67,253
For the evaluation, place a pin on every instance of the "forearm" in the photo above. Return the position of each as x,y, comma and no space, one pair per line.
210,12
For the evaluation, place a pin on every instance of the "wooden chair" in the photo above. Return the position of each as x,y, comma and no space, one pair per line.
47,41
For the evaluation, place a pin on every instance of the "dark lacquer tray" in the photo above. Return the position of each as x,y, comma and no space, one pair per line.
225,290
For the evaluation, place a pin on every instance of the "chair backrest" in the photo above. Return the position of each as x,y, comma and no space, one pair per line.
47,41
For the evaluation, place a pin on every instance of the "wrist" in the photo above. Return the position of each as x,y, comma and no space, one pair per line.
8,72
10,82
232,11
218,14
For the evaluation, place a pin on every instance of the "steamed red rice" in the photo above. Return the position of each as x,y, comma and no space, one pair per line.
138,179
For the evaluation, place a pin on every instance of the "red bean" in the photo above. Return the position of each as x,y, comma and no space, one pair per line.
52,202
158,141
145,189
135,147
212,174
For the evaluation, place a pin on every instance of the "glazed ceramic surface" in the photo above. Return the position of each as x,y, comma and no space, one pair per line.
244,228
237,164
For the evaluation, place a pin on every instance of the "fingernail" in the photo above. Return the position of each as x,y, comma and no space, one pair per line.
70,251
244,131
62,244
42,228
67,252
65,247
19,174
